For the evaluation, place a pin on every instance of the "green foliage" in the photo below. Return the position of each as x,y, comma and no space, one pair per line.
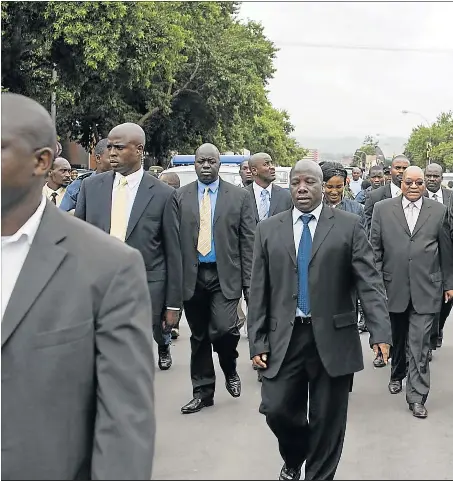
435,143
188,72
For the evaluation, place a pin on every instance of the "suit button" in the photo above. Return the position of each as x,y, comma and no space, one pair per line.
410,258
294,296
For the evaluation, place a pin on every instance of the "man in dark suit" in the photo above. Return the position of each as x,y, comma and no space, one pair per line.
435,191
216,229
77,372
268,199
244,172
309,263
399,164
142,211
410,239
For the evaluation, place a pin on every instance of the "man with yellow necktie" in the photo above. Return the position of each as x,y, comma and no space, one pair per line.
142,211
216,230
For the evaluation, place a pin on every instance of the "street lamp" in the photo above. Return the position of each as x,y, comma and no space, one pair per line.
430,128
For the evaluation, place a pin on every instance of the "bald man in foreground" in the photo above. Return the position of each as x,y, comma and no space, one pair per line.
141,211
77,372
413,251
308,264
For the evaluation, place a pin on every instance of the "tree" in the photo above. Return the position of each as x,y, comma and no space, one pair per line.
188,72
367,148
434,143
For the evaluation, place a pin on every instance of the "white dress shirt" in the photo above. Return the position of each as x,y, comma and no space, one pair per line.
15,249
411,223
47,191
257,189
133,182
395,190
298,227
440,197
355,186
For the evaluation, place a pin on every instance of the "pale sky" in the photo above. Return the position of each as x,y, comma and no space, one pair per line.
339,92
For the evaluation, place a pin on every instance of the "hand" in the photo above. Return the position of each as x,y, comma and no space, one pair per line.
171,318
385,350
260,361
246,291
448,296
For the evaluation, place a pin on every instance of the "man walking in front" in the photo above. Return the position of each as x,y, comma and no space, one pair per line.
410,239
216,228
141,211
307,345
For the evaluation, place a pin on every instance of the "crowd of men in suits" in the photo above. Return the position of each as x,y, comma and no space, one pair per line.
79,369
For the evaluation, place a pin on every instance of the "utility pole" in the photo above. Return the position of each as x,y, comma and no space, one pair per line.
53,97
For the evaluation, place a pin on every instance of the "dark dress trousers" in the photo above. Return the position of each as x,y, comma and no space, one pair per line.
212,291
153,229
316,359
280,201
416,268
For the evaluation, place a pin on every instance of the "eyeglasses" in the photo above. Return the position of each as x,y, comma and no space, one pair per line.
419,182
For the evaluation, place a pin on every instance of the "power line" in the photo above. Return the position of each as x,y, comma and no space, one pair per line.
448,51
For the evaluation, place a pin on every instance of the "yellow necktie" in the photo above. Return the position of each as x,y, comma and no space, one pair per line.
118,223
205,233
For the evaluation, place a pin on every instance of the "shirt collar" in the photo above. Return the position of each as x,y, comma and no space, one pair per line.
132,179
418,204
394,189
58,191
258,189
213,186
316,213
30,227
438,193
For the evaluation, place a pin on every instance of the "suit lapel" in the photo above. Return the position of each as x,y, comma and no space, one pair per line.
222,200
446,193
194,206
422,217
325,224
43,259
255,208
274,200
287,235
399,213
142,199
105,201
387,192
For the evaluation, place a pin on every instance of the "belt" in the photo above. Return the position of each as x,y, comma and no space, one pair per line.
303,320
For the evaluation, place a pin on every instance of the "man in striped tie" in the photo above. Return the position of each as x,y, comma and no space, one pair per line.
309,262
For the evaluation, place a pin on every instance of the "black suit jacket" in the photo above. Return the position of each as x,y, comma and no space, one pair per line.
280,201
153,229
372,197
450,216
446,194
341,264
415,267
233,230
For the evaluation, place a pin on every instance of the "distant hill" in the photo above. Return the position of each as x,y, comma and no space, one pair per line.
336,148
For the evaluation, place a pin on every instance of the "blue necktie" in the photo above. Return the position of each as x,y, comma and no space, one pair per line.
264,205
303,259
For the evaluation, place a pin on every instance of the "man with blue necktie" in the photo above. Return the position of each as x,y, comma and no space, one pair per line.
309,264
216,232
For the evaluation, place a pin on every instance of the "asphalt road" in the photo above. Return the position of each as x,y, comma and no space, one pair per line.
232,441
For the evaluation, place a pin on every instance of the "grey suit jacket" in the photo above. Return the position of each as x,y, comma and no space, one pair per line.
446,194
341,264
280,201
233,229
77,359
417,267
153,229
372,197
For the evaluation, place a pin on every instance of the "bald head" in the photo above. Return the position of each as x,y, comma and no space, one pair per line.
207,163
262,169
61,162
171,179
259,158
413,184
306,185
25,119
132,132
305,167
60,175
413,170
126,145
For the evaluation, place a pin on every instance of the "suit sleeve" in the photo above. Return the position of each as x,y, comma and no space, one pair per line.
450,216
369,206
80,208
257,319
446,253
125,422
376,238
370,288
173,257
246,237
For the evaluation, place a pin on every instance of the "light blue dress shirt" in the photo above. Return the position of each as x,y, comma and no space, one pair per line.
213,192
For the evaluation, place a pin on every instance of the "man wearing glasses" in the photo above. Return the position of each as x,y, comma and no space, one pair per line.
412,248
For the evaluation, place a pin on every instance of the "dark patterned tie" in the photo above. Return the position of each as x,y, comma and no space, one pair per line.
53,197
303,259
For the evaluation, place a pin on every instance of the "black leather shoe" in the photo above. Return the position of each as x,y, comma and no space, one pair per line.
233,384
440,338
378,361
196,405
418,410
165,361
289,473
430,355
395,387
